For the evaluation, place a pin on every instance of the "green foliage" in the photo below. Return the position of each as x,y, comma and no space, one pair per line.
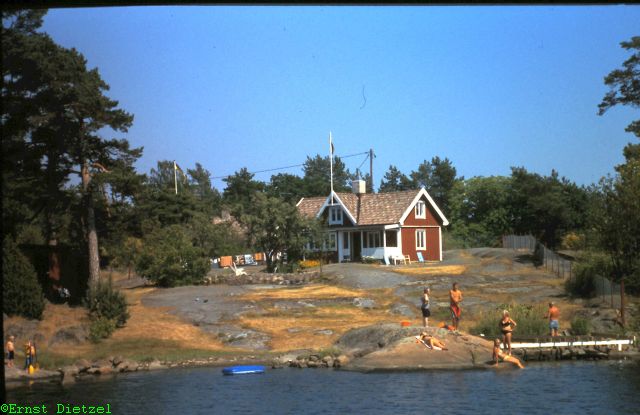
21,291
624,84
479,212
105,302
545,206
580,326
317,176
101,328
170,258
287,187
275,226
617,219
395,181
590,266
438,177
240,189
529,319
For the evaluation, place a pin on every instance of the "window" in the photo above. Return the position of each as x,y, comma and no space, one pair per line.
345,240
372,239
331,245
420,210
335,215
421,239
392,238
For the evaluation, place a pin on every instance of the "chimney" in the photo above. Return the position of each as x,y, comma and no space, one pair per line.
359,187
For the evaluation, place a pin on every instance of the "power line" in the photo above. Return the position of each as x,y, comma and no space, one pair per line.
289,167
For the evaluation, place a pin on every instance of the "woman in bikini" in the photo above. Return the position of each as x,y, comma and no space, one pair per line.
506,327
499,354
431,341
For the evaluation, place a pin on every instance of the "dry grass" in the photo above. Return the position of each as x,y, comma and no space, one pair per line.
315,291
337,317
432,270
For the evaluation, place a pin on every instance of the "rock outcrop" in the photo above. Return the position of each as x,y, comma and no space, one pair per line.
391,347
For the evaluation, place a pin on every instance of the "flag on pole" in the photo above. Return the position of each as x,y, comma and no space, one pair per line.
175,165
332,148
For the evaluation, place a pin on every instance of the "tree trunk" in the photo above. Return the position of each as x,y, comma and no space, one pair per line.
92,235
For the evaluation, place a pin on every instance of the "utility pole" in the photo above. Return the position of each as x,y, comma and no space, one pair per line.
371,156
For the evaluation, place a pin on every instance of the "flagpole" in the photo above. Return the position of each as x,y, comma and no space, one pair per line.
175,176
331,163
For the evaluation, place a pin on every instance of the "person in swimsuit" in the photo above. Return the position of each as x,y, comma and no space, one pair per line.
10,351
28,357
455,297
506,327
425,307
553,315
499,354
431,341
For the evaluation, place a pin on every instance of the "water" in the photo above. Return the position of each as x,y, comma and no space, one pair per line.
542,388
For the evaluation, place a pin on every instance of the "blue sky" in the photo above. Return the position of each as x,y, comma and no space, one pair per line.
261,87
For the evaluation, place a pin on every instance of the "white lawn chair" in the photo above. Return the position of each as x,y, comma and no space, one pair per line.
238,271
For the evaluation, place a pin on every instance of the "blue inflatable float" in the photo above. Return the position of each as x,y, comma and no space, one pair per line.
243,370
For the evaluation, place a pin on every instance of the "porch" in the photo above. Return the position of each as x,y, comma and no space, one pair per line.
377,242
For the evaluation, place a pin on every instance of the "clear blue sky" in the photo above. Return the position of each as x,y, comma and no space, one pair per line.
261,87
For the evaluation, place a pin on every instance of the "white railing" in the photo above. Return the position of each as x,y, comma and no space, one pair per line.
382,252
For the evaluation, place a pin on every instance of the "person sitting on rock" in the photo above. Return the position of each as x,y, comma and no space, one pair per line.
499,354
431,341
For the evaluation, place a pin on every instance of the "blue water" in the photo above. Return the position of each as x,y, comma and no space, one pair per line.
609,387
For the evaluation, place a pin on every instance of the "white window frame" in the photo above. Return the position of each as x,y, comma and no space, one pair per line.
421,239
421,210
335,215
332,241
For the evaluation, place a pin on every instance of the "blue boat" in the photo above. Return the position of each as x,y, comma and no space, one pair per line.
243,370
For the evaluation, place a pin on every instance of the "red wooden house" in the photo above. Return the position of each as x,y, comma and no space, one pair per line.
379,225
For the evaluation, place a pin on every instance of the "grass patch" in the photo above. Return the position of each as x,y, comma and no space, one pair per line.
529,319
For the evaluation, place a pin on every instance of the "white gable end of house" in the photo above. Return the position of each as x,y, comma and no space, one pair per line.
327,203
423,192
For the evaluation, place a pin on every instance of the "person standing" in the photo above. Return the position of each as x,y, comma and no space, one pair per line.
28,357
507,324
425,307
455,297
554,319
10,351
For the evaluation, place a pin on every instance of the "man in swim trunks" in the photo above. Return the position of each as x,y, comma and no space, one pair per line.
499,354
554,316
455,297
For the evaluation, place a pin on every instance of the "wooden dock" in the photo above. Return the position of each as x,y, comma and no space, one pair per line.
569,347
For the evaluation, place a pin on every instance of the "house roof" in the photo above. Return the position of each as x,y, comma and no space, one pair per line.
373,209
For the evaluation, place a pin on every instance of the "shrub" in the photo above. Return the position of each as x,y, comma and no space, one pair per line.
21,294
101,328
580,326
169,258
582,284
529,320
104,302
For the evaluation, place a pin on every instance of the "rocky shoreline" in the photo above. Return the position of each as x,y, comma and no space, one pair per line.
381,347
